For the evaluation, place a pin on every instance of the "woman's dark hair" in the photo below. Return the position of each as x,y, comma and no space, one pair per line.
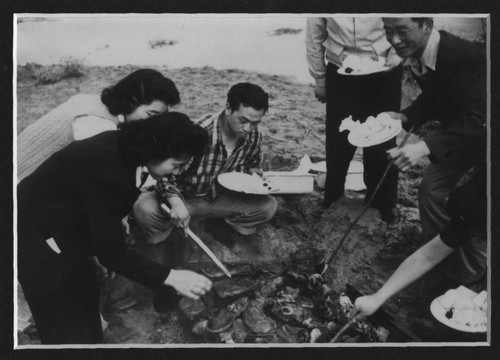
249,95
163,136
141,87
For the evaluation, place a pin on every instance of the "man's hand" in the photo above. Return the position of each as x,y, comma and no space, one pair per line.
188,283
409,155
398,116
320,93
126,225
367,305
102,272
257,171
179,214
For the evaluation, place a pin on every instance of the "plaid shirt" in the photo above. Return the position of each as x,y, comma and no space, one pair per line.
198,177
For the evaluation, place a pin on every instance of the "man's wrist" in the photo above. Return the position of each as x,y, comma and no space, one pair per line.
425,151
320,83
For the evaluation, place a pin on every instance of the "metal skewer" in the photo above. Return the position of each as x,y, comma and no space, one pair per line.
202,245
345,327
367,205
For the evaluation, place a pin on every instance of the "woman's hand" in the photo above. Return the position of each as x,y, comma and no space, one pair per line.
367,305
188,283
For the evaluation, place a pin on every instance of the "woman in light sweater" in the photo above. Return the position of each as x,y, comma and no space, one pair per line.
139,95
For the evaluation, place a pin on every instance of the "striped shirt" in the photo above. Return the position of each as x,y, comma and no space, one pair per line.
198,177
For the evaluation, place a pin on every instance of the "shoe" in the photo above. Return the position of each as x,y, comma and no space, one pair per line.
388,215
225,234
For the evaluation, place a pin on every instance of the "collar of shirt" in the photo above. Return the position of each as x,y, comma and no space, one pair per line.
428,57
217,135
141,175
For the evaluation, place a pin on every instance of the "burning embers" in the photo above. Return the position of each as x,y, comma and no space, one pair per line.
291,308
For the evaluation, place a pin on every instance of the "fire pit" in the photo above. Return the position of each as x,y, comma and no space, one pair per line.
290,307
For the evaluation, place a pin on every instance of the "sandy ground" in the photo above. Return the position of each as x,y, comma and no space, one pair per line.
293,127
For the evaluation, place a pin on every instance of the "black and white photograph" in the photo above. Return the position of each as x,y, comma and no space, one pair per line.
266,180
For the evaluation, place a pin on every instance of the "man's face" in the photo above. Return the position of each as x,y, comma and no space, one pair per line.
406,36
242,121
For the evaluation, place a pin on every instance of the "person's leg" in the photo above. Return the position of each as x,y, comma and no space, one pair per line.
383,94
375,163
243,212
339,152
468,264
437,183
71,314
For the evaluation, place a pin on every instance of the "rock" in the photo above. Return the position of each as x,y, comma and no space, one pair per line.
240,331
234,286
269,286
239,306
191,308
220,322
256,320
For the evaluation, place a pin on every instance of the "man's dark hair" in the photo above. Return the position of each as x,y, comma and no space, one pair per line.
424,20
141,87
247,94
160,137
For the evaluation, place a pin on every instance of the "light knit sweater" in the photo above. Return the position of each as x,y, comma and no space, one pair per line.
54,131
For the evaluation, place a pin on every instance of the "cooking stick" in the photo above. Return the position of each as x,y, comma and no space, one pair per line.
345,327
202,245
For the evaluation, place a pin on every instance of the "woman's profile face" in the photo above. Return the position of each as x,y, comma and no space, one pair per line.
146,110
170,166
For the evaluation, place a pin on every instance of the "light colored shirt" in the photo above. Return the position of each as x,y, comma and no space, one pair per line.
428,58
89,125
333,39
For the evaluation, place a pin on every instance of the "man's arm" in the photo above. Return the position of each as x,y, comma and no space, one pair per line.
466,116
316,34
416,265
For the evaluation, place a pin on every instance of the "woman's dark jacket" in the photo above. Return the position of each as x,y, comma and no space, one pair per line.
78,197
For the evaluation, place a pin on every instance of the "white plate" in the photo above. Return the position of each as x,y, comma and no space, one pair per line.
274,183
358,72
288,183
440,314
359,138
241,182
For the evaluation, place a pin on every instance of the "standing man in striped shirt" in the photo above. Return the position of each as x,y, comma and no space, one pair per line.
235,145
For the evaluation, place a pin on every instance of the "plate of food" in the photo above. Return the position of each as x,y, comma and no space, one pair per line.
462,309
355,65
374,131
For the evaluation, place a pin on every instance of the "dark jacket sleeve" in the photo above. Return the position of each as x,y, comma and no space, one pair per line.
107,198
457,98
466,115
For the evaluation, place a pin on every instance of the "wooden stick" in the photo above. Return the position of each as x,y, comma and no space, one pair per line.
202,245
